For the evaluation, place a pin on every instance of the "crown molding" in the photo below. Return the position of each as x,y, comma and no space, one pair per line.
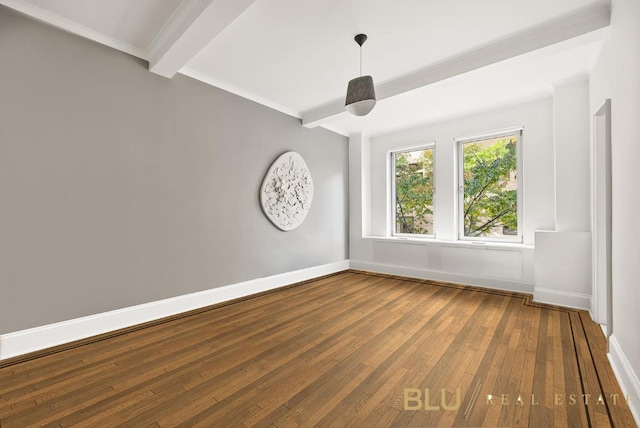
205,78
73,27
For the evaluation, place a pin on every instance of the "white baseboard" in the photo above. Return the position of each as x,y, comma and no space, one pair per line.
562,298
627,378
494,283
37,338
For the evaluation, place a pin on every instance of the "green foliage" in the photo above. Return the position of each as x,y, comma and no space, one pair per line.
490,195
489,201
414,191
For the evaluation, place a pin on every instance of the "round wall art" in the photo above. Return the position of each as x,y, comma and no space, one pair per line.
287,191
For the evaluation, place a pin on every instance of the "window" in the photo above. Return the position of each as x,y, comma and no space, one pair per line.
413,191
490,184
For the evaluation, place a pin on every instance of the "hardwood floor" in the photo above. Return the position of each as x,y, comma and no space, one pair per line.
351,349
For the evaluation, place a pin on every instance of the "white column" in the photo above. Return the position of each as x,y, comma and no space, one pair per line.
359,197
572,156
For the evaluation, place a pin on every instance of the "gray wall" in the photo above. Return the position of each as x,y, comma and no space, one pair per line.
120,187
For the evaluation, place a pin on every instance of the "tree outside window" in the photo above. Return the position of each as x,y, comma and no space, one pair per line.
413,191
490,188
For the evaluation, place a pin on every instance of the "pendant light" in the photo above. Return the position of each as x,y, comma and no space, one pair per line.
361,94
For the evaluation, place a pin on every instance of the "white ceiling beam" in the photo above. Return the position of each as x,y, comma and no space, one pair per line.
564,28
190,29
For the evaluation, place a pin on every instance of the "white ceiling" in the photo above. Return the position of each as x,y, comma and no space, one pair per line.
431,60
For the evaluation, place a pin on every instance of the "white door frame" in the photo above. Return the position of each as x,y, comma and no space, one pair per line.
601,218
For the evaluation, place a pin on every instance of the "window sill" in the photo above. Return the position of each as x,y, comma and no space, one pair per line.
456,243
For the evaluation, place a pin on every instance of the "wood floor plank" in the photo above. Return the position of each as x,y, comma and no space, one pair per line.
220,376
178,356
269,385
408,355
282,354
614,398
338,351
596,412
182,331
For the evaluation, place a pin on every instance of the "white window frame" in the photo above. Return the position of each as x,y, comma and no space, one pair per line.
460,141
392,159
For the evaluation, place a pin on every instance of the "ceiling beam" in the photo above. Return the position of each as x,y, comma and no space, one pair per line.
564,28
190,29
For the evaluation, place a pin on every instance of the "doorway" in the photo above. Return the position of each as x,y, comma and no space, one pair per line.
601,218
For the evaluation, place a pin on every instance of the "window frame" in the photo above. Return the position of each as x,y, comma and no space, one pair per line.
392,197
460,142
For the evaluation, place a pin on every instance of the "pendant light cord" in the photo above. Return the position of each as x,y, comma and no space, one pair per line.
360,39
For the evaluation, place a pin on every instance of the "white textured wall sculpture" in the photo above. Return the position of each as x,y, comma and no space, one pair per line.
287,191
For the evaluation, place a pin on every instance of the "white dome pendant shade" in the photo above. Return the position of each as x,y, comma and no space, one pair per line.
361,94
